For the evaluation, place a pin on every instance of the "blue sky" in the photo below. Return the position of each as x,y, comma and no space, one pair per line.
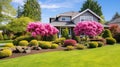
50,8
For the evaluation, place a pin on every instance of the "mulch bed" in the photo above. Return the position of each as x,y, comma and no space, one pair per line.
14,55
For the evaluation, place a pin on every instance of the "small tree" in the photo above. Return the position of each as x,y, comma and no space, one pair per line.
65,33
46,31
90,28
106,33
19,25
92,5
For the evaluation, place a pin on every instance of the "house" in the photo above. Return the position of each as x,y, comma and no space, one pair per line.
70,19
115,21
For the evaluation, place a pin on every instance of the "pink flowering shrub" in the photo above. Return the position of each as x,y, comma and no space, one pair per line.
70,42
90,28
41,29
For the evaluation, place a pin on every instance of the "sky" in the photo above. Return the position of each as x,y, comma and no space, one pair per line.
51,8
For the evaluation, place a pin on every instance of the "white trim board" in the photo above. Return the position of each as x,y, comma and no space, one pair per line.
86,11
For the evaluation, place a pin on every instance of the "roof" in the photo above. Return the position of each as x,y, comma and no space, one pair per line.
117,20
71,13
63,24
86,11
67,24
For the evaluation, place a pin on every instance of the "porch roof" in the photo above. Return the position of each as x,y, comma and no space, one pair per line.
67,24
63,24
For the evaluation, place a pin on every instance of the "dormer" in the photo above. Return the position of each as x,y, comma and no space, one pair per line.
64,18
67,16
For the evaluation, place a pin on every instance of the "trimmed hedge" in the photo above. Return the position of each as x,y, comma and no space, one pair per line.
33,43
5,53
80,46
92,44
110,41
69,48
45,44
100,44
23,43
59,40
28,38
54,46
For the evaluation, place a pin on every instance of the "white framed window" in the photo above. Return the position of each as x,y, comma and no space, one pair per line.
86,18
63,19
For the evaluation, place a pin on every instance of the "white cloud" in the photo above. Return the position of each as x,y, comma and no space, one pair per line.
20,2
53,4
50,6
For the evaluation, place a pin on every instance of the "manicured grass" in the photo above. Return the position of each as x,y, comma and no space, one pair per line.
107,56
6,41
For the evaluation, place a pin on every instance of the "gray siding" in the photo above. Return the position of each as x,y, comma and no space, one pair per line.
77,19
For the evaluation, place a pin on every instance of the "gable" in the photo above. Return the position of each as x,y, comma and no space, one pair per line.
87,16
87,11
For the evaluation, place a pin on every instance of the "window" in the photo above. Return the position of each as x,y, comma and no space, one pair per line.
63,19
86,18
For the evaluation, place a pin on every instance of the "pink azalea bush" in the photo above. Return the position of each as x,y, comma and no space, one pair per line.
90,28
39,28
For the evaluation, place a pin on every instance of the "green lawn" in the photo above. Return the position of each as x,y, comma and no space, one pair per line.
107,56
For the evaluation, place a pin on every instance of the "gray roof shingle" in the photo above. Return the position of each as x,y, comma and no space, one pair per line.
117,20
71,13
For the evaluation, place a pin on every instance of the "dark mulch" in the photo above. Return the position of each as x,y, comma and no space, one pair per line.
14,55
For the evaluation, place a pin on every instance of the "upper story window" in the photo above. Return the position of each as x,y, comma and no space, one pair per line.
63,19
86,18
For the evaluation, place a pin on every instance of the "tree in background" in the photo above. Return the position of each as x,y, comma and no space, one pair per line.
92,5
95,7
6,10
117,15
19,12
19,25
32,10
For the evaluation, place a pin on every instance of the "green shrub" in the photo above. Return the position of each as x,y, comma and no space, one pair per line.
33,43
9,45
107,33
65,33
77,38
1,36
18,24
68,48
23,43
59,40
45,44
110,41
49,38
54,46
5,53
100,44
28,38
5,37
80,46
92,44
